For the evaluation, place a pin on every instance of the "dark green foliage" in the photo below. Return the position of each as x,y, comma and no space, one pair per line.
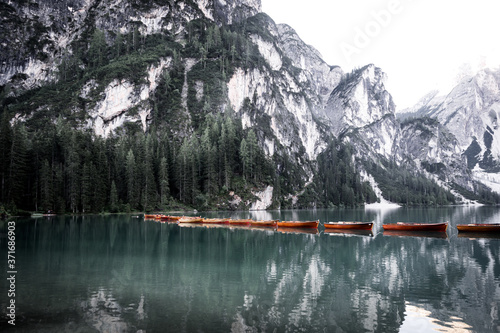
337,183
66,170
481,194
401,186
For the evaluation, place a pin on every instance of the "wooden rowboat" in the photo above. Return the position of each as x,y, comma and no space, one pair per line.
271,223
241,222
416,226
191,219
215,221
149,216
349,225
298,224
482,227
172,218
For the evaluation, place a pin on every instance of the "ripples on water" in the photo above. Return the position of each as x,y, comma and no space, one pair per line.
117,274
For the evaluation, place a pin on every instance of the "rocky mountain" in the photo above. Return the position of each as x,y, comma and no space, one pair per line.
470,111
120,68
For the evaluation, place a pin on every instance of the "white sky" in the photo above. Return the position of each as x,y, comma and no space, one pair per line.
422,45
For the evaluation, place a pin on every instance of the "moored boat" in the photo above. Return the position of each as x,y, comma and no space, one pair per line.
270,223
149,216
298,224
479,227
241,222
191,219
215,221
407,226
171,217
349,225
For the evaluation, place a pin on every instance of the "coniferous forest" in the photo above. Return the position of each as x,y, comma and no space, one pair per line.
74,171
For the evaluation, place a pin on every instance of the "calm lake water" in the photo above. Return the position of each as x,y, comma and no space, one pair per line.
124,274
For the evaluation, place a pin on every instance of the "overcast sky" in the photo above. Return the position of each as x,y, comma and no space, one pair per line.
422,45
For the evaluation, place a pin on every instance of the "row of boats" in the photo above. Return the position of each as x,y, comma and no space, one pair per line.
399,226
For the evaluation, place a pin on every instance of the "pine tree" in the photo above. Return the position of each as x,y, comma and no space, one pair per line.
87,187
46,190
150,193
5,149
18,165
113,198
164,182
131,179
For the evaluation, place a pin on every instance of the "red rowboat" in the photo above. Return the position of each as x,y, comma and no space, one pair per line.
215,221
416,226
190,219
271,223
241,222
349,225
298,224
483,227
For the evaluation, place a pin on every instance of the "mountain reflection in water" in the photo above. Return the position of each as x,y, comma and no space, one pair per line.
118,274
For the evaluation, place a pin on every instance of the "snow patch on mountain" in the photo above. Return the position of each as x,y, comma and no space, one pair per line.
492,180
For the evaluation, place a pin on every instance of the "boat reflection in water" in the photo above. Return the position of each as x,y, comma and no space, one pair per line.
348,232
289,230
427,234
479,235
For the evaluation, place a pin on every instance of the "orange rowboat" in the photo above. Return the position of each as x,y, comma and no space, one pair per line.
241,222
416,226
298,224
483,227
215,221
349,225
190,219
149,216
271,223
172,218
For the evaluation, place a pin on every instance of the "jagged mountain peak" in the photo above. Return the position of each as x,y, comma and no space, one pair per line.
359,99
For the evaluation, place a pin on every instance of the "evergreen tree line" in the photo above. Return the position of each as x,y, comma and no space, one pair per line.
67,170
408,187
337,182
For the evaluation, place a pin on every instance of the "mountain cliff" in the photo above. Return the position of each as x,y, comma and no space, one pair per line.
207,103
470,111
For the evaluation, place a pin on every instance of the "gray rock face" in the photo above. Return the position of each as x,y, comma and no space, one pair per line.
470,111
430,146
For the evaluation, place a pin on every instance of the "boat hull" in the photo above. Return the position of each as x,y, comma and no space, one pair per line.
349,225
215,221
478,227
241,222
264,223
190,220
416,226
298,224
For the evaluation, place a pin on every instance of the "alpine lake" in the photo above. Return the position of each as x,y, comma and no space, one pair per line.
120,273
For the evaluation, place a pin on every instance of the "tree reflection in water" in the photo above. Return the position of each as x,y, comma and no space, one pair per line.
115,273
